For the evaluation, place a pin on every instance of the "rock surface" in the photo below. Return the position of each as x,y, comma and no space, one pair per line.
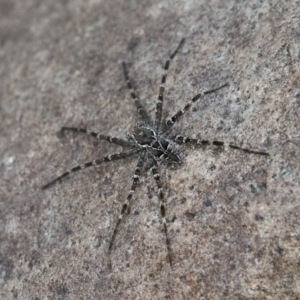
233,217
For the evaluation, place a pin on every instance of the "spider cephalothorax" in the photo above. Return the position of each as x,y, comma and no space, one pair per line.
152,144
157,145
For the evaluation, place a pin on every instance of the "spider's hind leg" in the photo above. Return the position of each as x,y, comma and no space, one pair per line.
92,163
162,209
125,205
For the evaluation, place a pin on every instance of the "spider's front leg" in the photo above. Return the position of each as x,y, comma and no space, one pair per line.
141,110
198,142
160,99
98,136
169,123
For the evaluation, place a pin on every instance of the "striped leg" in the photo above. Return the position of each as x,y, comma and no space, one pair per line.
141,111
92,163
125,205
159,102
99,136
176,117
186,140
162,209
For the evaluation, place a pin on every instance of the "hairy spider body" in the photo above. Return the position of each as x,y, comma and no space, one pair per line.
153,145
157,145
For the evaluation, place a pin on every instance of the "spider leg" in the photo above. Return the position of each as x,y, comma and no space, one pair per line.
176,117
141,111
125,205
162,208
92,163
159,102
198,142
99,136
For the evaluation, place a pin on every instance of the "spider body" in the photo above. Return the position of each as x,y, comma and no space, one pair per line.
153,145
157,145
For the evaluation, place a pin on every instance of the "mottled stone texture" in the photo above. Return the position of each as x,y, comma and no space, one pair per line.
233,217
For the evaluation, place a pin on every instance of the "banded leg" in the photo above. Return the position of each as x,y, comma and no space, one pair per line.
159,102
92,163
99,136
198,142
141,111
162,209
176,117
125,205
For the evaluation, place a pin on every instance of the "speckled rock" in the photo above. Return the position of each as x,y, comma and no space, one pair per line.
233,217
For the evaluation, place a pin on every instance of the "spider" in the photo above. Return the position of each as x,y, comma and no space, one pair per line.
152,144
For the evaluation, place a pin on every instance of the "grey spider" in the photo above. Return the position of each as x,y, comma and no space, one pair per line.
153,145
